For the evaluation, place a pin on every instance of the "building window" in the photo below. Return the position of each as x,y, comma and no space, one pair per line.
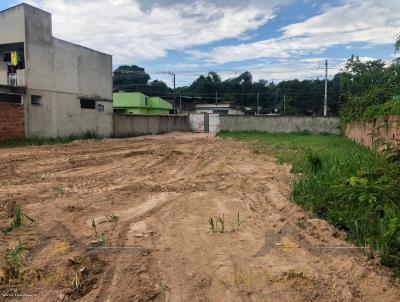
36,100
10,98
88,104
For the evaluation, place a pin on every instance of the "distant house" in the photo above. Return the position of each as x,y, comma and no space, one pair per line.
50,87
138,103
222,109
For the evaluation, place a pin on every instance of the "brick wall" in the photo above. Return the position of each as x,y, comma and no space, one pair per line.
12,123
367,134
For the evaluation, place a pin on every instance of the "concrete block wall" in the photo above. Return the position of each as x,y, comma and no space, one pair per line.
12,124
126,124
368,134
279,124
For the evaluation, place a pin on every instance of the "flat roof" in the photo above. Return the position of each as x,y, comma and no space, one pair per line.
25,5
39,9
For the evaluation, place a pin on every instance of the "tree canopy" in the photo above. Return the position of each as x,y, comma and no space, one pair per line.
136,79
351,92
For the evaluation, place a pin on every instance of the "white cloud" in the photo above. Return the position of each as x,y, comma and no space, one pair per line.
134,30
362,21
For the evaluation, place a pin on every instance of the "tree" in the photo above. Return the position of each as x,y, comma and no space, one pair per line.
130,78
158,88
397,44
367,85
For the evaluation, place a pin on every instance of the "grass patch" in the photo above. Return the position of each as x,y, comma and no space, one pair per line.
38,141
353,188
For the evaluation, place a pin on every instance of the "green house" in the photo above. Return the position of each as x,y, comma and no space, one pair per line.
138,103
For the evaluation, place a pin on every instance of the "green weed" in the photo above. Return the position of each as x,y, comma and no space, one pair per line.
59,189
15,259
38,141
110,218
237,222
212,225
355,189
221,223
217,225
17,221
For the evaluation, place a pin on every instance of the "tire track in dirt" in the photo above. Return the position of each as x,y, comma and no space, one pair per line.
164,250
129,217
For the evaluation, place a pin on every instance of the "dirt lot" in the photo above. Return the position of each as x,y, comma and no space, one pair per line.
163,190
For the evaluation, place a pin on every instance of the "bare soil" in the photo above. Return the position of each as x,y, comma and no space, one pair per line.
163,190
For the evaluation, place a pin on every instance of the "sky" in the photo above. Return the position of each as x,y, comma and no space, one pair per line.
273,39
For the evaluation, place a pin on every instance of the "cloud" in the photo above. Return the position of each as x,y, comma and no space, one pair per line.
361,21
134,31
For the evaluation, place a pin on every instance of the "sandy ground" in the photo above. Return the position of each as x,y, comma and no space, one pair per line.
163,190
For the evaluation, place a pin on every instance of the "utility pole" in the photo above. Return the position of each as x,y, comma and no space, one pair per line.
284,103
326,89
180,103
258,104
174,79
216,98
175,92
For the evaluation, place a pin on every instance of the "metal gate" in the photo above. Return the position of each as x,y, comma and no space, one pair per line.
204,122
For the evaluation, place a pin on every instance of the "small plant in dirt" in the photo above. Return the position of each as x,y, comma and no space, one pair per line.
17,221
217,225
237,222
303,223
15,260
100,241
110,218
221,224
212,225
94,227
59,189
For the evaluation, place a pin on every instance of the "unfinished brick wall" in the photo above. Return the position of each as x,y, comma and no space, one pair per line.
12,123
367,134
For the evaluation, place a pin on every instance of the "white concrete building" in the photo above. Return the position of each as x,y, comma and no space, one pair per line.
222,109
62,87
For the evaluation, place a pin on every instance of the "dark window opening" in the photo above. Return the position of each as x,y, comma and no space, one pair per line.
88,104
145,100
36,100
10,98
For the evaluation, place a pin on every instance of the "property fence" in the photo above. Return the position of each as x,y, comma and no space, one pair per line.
381,130
279,124
127,125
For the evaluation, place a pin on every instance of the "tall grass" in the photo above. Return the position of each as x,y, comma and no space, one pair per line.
38,141
355,189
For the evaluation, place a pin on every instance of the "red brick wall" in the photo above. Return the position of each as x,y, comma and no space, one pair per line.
12,123
368,133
